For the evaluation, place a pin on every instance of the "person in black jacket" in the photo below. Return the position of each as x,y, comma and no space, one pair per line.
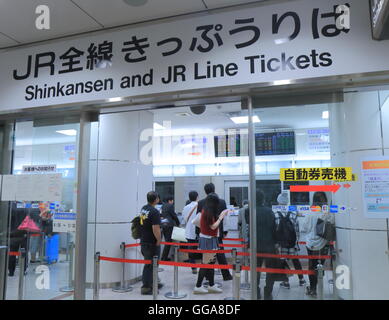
221,257
266,243
170,220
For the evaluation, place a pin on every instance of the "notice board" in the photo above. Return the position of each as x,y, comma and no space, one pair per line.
32,187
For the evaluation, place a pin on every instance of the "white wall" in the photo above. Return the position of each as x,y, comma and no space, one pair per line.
122,183
356,130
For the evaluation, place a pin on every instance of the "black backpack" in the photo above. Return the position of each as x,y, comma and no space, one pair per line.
286,233
136,227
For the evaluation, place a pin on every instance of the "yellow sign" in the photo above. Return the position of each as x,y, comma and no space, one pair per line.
317,174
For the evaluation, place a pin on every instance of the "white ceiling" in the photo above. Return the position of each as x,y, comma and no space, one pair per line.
217,117
69,17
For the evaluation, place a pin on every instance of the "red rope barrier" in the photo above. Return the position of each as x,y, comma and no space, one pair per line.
133,245
180,244
283,271
204,251
207,266
196,265
125,260
233,245
284,256
234,239
14,253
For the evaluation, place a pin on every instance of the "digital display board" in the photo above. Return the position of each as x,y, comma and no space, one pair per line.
275,143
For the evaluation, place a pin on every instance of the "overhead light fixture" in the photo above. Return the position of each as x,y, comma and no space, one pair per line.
117,99
281,82
325,115
157,126
70,132
135,3
244,119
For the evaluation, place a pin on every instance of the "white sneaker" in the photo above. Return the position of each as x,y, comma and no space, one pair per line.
200,290
214,289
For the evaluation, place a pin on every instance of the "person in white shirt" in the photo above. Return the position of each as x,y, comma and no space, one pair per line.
189,214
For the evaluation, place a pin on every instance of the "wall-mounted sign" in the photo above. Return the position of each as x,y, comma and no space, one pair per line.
272,42
64,222
316,174
32,187
39,168
375,187
319,140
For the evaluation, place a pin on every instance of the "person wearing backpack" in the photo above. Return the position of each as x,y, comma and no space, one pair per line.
287,234
150,239
316,245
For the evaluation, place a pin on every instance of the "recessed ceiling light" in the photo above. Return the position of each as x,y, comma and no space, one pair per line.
244,119
157,126
325,115
135,3
115,99
70,132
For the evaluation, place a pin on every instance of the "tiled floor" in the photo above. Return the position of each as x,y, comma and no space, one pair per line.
59,279
187,281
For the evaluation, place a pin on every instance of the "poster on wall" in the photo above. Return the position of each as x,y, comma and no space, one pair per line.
319,140
375,187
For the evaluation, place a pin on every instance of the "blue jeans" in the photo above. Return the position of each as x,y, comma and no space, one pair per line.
149,250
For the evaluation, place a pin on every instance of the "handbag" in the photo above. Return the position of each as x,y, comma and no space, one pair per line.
179,234
29,225
325,230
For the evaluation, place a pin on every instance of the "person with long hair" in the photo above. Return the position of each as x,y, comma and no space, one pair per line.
208,221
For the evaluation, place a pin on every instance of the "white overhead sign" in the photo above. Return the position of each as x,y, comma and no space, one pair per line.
276,42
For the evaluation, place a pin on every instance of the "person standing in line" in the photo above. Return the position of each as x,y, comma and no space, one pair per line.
209,221
189,214
266,243
170,216
243,224
293,249
150,240
315,244
221,257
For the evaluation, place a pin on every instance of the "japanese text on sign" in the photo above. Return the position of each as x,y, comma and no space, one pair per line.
316,174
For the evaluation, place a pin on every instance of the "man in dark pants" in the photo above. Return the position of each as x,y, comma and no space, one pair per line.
170,216
150,240
266,243
221,257
18,238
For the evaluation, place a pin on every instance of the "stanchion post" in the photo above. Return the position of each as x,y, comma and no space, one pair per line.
70,287
96,280
320,281
246,284
234,254
22,263
175,294
123,287
155,277
42,257
238,268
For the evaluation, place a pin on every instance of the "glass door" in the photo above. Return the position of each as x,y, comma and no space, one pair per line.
43,214
6,134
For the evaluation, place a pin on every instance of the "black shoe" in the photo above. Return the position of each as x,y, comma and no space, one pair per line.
228,278
146,291
160,285
301,282
285,285
310,292
10,274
